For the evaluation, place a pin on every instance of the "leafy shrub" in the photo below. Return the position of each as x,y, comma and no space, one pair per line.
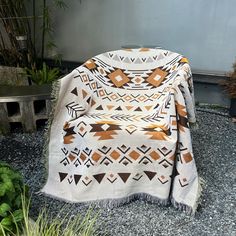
44,75
11,189
56,226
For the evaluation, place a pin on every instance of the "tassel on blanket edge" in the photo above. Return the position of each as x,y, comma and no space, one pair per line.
191,210
194,125
111,203
54,97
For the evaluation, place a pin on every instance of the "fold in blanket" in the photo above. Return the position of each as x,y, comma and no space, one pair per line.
120,131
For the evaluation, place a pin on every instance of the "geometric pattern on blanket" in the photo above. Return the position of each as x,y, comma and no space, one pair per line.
120,130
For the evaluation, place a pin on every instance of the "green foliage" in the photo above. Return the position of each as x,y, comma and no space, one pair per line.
44,75
11,189
46,225
23,18
55,226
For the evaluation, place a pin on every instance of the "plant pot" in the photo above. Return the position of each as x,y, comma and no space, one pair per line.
22,40
13,76
232,108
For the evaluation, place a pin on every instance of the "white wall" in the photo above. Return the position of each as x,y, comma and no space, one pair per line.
202,30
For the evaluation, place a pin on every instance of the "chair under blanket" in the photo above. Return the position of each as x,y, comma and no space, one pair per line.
120,131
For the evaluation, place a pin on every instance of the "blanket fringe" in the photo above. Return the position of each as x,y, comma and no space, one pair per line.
194,126
111,203
54,97
116,202
191,210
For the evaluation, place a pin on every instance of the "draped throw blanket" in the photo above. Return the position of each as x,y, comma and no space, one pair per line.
120,131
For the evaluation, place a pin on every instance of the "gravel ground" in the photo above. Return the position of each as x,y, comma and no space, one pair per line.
214,146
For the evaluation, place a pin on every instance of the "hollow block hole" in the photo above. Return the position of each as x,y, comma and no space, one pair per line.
40,124
16,127
40,107
13,109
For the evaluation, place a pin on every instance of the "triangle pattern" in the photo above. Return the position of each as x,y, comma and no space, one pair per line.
77,178
150,174
118,109
124,176
84,93
116,58
62,176
129,107
99,107
149,59
148,107
74,91
138,109
93,103
109,107
127,60
99,177
138,61
88,100
160,57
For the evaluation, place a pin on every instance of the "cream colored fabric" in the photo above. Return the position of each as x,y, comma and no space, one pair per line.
121,131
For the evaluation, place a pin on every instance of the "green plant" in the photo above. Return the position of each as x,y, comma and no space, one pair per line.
66,226
44,75
16,22
229,85
55,226
22,18
11,189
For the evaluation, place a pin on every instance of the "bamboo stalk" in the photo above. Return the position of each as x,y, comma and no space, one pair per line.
43,30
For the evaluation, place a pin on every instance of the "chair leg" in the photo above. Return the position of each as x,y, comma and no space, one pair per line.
4,122
27,116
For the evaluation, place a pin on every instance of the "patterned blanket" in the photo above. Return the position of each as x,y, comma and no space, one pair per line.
120,131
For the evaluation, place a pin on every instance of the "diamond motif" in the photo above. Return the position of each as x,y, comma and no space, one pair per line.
85,78
90,64
93,85
96,156
131,128
101,92
118,78
114,96
141,98
157,77
138,80
134,155
127,98
105,126
83,157
115,155
102,71
154,155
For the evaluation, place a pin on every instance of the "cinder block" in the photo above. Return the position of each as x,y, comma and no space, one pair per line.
24,107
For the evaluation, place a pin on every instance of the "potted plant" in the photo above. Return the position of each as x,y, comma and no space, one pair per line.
229,86
45,75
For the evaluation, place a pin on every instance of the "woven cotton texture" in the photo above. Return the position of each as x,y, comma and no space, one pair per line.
120,131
